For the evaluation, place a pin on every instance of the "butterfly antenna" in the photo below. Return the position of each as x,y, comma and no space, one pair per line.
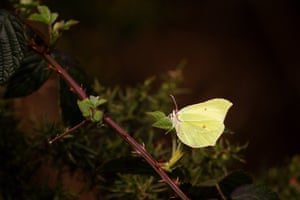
174,101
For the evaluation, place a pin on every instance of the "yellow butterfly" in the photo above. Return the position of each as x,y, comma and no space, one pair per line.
200,125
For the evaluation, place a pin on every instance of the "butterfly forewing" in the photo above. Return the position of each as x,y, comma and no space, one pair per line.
214,109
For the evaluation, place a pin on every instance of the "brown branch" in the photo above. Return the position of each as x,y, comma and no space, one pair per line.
69,130
135,145
144,153
70,81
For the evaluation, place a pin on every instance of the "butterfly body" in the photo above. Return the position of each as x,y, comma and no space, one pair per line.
200,125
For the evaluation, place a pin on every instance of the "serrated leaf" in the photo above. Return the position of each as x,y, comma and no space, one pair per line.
254,192
31,75
12,45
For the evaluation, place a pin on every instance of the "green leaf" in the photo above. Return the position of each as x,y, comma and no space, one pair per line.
12,45
62,25
157,114
163,122
88,108
44,15
85,107
39,18
95,101
97,116
254,192
44,11
70,23
31,75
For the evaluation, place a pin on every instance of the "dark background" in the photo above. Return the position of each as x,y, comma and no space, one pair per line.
246,51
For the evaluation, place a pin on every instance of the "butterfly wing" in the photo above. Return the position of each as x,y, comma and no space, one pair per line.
199,134
201,124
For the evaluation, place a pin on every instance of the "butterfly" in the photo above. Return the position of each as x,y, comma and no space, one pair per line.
200,125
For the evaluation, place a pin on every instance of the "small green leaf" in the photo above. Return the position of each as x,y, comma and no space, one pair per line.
157,114
70,23
44,15
96,101
53,17
44,10
97,116
38,17
162,121
85,107
88,108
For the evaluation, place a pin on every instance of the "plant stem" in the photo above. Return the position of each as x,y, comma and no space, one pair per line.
220,192
70,81
68,131
144,153
135,145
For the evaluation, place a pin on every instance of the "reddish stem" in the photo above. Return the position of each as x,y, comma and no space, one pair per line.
144,153
70,81
69,130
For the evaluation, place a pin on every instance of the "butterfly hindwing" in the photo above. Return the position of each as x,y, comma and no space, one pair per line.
199,134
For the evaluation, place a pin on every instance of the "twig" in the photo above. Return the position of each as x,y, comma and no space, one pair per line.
220,192
69,130
70,81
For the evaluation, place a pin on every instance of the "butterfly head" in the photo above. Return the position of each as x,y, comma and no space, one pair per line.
174,117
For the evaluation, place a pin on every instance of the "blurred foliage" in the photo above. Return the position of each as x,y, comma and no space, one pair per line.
285,180
101,155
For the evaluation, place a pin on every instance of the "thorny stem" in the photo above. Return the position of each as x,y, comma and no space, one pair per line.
143,152
138,148
70,81
69,130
